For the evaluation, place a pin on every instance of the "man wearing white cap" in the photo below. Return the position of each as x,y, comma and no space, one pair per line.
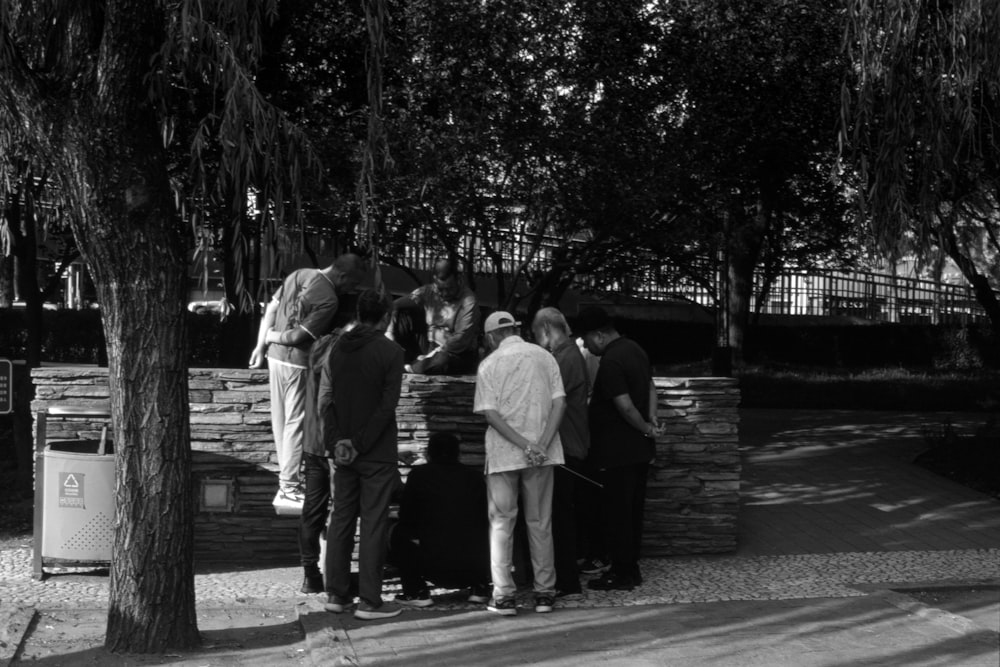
520,392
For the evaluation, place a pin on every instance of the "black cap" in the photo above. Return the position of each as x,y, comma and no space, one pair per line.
592,318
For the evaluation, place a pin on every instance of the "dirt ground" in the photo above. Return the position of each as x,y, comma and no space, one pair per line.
229,637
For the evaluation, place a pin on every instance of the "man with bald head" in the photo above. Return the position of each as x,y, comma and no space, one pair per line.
300,312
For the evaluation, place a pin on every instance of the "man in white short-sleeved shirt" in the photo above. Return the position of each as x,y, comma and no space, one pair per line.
519,390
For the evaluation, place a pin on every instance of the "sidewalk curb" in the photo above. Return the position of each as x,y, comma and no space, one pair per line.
961,625
14,626
327,643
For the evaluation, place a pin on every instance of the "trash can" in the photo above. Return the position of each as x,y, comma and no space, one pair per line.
74,492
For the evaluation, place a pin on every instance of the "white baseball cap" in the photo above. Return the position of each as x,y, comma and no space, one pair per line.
499,320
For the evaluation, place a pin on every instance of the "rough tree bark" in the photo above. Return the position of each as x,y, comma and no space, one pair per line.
133,246
100,134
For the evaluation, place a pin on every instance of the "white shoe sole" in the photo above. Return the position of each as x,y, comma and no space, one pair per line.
502,612
415,603
375,615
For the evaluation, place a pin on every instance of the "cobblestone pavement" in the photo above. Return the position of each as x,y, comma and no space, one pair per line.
666,581
832,509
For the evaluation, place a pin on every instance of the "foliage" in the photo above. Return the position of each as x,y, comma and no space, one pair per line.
920,127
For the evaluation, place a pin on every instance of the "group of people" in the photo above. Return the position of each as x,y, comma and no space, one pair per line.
567,449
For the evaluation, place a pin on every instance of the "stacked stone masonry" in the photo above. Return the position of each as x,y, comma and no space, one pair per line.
692,498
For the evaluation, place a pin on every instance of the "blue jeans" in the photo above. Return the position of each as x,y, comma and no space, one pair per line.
503,488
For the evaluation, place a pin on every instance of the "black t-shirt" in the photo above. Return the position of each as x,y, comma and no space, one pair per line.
624,369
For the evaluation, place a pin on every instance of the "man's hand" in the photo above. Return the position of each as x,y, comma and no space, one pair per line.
344,453
257,358
535,457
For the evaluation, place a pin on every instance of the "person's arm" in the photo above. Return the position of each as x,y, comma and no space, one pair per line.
327,408
632,416
464,335
319,306
266,323
494,419
386,411
653,403
552,424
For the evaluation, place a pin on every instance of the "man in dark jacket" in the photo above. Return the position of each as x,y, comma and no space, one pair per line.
443,533
358,396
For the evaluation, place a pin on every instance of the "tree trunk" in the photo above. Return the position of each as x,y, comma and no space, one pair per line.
6,281
141,286
742,255
132,240
981,287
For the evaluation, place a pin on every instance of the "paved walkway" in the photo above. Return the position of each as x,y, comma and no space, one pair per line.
836,522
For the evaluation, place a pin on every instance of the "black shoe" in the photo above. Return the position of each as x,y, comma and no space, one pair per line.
612,582
481,593
313,583
572,594
503,607
421,599
544,603
594,566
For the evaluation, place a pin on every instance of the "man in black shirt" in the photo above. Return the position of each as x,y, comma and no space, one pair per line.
623,426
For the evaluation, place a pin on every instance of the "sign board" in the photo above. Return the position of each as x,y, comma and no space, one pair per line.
6,386
71,490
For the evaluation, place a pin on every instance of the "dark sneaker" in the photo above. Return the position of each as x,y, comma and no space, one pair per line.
504,606
313,583
569,595
594,566
481,593
544,603
612,582
422,599
369,612
337,604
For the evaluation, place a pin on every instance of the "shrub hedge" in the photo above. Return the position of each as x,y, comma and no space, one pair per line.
76,337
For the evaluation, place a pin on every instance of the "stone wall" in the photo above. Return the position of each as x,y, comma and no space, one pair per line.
693,492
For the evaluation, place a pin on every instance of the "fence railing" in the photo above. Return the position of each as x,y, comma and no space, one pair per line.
822,292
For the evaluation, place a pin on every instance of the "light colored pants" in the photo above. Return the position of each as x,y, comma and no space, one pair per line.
288,404
503,488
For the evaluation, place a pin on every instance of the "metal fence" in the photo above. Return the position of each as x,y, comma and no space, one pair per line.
865,295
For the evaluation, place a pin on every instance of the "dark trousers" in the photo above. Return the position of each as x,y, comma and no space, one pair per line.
361,490
418,565
564,531
589,513
624,501
315,510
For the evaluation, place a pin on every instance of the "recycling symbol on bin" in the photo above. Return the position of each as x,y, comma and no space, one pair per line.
71,490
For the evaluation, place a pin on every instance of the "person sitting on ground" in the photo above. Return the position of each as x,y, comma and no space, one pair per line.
443,532
451,313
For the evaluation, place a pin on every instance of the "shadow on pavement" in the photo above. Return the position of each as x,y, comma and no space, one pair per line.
231,637
864,630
